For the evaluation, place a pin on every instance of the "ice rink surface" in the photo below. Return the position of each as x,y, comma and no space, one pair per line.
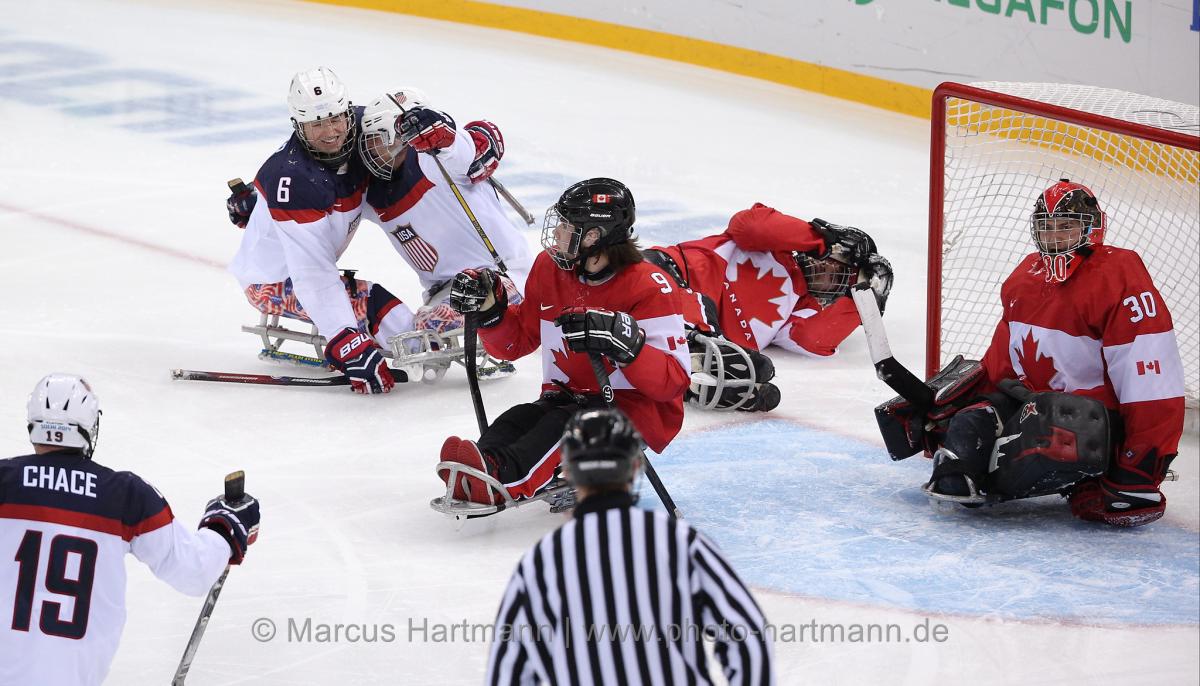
125,119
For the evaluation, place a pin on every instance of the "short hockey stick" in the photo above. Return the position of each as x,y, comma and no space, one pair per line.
470,349
235,490
487,242
887,367
512,201
265,380
606,390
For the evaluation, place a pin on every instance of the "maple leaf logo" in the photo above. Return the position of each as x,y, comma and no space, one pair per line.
756,293
1038,369
576,368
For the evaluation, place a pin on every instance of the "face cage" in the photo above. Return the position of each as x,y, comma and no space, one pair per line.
712,385
1038,225
343,153
827,279
380,157
567,257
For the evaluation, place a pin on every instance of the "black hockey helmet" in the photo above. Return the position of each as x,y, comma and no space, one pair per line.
599,203
600,447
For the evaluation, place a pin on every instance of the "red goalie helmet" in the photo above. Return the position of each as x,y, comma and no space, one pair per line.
1066,217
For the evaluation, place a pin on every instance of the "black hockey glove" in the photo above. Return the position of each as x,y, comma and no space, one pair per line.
354,354
240,204
844,243
425,129
878,272
614,334
236,522
482,291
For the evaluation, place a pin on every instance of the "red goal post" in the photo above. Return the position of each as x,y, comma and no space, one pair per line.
995,146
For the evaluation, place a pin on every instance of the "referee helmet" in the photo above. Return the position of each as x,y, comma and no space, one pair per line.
601,447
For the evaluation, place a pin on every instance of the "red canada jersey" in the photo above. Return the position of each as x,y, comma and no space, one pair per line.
760,292
1105,333
650,389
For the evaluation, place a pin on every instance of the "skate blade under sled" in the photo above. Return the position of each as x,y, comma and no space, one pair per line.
557,493
425,355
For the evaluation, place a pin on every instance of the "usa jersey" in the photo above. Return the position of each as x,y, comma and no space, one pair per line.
760,292
429,228
1104,333
66,524
302,224
650,389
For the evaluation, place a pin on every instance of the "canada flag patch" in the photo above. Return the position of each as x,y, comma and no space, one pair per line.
1151,367
601,198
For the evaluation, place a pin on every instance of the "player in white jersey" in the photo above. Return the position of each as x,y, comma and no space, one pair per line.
66,524
406,145
287,264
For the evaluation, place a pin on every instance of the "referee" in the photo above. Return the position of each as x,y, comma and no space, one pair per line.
621,595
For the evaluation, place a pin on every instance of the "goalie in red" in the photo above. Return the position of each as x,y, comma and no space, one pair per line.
768,279
1082,383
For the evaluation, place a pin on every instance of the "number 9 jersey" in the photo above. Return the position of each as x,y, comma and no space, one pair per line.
66,524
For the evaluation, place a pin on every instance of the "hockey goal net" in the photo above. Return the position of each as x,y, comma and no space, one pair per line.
995,146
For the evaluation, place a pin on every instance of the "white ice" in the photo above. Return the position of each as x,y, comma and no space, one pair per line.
115,238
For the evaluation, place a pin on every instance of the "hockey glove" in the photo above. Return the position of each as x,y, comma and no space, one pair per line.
1100,500
236,522
354,354
614,334
426,130
482,291
240,204
878,272
489,148
845,244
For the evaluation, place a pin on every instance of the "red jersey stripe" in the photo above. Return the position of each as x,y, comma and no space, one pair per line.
105,525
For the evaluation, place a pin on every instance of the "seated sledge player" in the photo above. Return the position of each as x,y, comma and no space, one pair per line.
66,523
589,293
768,279
1083,381
287,262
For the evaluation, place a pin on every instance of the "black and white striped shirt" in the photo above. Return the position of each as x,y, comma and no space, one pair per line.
620,595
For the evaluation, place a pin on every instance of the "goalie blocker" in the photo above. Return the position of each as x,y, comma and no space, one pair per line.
1044,442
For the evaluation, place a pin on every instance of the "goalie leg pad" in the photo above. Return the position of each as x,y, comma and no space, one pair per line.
1052,442
906,432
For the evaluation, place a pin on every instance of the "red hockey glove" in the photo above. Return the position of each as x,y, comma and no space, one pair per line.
237,523
489,148
240,204
426,130
482,291
354,354
1100,500
614,334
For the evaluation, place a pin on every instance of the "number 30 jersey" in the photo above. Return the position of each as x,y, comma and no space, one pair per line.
1104,333
66,524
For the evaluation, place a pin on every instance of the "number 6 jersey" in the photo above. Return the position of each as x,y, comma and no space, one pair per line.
66,524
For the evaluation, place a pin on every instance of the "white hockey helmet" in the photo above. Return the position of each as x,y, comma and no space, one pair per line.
380,146
317,95
64,411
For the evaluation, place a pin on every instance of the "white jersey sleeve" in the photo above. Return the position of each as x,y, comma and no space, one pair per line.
190,561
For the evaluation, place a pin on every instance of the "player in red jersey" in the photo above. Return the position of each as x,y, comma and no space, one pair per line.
589,292
768,279
1083,320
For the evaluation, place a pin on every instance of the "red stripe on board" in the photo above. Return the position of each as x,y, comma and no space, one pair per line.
405,203
129,240
105,525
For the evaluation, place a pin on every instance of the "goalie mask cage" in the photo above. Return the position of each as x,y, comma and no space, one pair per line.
996,146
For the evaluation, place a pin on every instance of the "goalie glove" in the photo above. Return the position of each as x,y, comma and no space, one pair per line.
480,290
845,244
425,129
354,354
237,523
613,334
489,148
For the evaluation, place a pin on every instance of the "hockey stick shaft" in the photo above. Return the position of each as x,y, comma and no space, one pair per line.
487,242
511,200
607,391
235,490
260,379
470,348
887,367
